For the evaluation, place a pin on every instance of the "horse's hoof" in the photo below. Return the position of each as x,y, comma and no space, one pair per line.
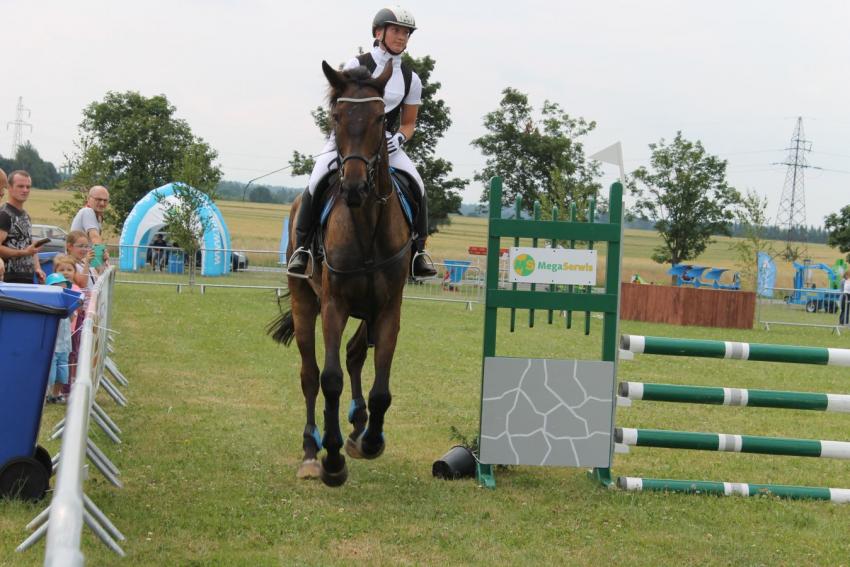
334,479
309,469
355,449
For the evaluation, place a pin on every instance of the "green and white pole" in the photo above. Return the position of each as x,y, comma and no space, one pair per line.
734,350
735,397
838,495
732,443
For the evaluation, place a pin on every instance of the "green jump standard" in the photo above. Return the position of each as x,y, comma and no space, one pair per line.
734,350
838,495
732,443
735,397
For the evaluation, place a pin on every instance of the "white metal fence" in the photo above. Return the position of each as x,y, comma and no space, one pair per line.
800,308
70,508
457,281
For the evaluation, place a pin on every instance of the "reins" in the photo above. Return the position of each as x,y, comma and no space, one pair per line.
371,167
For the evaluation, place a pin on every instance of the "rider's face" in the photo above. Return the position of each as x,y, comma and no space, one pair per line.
395,37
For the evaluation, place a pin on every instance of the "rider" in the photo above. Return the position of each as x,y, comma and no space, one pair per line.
391,29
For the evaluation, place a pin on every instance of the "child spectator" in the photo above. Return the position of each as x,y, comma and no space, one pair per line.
59,366
79,248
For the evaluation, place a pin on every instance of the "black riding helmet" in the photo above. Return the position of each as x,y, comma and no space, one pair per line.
393,15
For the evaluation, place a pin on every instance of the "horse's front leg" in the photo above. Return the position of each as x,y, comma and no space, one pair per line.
370,443
356,352
334,471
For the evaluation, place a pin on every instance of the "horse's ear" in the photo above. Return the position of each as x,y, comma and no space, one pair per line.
381,80
334,77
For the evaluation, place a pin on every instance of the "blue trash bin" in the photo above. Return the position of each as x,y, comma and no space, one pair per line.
45,259
175,262
29,321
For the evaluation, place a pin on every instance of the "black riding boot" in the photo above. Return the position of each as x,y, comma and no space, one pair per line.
421,267
303,227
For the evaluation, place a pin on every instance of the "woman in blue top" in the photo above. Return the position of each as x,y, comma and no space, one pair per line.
391,30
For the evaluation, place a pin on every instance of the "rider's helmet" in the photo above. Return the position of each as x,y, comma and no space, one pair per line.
393,15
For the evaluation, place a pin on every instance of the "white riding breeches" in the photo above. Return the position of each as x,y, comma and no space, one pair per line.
326,161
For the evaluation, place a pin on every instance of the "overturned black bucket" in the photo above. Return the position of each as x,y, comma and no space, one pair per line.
459,462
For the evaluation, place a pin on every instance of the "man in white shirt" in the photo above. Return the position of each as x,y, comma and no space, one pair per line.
89,219
844,317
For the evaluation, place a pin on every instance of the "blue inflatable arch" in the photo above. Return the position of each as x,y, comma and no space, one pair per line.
146,219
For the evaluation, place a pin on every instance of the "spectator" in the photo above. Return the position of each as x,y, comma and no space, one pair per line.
3,182
78,247
59,366
844,317
159,258
16,246
89,219
67,266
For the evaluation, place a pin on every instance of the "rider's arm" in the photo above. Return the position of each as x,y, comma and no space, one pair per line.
408,120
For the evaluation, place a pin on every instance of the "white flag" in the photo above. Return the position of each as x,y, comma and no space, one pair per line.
613,154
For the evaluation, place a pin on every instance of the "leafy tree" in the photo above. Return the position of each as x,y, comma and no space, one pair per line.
686,196
538,157
432,122
261,194
838,226
751,217
193,190
43,173
133,144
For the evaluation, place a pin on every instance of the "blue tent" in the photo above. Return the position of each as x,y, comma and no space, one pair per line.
147,218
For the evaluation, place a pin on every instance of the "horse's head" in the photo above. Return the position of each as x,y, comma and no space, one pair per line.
357,114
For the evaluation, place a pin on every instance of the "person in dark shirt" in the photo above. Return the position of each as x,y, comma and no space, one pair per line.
16,247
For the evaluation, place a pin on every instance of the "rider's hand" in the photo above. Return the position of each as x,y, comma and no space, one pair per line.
394,142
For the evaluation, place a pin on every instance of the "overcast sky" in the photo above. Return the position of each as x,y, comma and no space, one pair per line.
246,74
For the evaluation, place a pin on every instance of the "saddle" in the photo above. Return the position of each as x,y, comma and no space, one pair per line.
402,182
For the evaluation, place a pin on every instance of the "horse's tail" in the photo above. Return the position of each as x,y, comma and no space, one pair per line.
282,327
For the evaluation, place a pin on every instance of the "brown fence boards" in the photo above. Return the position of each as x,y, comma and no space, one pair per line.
687,306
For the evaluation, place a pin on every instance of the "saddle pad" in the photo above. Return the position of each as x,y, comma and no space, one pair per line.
402,198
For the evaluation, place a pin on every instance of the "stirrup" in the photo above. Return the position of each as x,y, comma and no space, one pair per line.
305,276
413,263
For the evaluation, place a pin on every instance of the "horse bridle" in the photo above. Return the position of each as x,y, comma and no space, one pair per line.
371,163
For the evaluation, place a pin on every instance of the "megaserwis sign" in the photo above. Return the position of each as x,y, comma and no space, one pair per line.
552,266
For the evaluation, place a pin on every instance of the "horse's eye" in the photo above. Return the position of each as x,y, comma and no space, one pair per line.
335,116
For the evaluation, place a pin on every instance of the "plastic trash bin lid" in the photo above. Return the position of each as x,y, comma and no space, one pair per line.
45,299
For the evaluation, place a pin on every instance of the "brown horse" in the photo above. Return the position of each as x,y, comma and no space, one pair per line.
366,242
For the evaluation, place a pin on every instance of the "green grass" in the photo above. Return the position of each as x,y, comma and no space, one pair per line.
212,440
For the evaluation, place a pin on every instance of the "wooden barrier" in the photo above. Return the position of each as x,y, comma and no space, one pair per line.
688,306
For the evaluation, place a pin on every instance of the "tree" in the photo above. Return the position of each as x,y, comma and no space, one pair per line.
193,191
539,158
133,144
686,196
751,217
838,226
43,173
261,194
432,122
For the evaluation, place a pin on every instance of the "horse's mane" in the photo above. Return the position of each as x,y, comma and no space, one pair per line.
361,76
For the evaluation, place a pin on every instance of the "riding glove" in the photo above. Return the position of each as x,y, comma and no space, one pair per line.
394,142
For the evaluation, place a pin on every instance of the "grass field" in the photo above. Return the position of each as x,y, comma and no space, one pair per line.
212,440
213,432
256,226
